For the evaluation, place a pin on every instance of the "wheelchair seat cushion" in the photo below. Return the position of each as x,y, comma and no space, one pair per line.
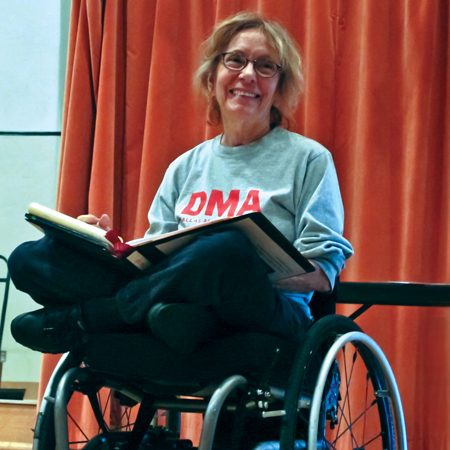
140,358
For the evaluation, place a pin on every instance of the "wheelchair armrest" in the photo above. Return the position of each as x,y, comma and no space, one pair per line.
394,293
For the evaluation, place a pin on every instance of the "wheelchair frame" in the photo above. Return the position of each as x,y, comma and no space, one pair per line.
315,403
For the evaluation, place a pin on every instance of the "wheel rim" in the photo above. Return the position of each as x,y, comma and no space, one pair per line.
360,415
364,418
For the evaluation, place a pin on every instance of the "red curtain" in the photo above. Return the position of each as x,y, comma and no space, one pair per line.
377,77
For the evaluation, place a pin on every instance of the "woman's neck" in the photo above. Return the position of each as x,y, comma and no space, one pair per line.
242,134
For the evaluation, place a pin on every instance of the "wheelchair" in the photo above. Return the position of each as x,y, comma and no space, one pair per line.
253,391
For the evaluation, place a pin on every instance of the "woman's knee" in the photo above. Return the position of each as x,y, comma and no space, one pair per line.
28,264
19,263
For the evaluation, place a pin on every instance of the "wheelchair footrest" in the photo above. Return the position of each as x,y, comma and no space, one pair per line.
154,439
275,445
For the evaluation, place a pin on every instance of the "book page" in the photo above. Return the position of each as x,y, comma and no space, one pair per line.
180,231
76,225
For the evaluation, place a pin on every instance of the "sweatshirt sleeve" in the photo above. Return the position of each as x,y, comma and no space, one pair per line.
161,215
320,221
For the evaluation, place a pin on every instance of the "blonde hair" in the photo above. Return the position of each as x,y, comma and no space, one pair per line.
290,84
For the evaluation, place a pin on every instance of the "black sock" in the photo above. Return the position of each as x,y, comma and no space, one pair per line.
101,315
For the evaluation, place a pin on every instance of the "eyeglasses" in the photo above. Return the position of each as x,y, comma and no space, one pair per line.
263,67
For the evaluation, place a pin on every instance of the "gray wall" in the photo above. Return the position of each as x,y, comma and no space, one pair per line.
33,47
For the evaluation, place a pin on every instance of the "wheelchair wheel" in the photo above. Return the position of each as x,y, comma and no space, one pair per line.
341,395
108,424
44,429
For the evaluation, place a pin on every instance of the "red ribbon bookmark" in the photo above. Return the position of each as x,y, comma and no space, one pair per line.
121,249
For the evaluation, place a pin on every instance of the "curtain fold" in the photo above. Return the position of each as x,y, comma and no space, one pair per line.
376,94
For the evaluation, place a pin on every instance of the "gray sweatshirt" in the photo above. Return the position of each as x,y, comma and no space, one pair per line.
289,178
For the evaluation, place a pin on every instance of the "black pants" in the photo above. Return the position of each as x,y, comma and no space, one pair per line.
221,271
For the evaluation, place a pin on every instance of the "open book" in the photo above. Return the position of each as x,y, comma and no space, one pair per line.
281,258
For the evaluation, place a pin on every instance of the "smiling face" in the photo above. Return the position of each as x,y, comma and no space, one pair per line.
243,96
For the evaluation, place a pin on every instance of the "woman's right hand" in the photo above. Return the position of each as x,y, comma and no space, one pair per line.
104,221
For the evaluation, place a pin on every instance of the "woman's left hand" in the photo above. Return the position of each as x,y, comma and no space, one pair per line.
104,221
311,281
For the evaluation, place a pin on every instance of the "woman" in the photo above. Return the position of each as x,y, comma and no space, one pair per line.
251,74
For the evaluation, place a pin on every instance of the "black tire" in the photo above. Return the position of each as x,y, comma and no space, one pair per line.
355,366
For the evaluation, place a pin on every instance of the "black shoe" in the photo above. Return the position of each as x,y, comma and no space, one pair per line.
50,330
182,326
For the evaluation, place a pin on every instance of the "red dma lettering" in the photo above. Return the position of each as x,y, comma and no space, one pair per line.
200,203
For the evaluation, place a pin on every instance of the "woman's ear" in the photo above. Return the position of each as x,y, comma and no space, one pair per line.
277,99
210,83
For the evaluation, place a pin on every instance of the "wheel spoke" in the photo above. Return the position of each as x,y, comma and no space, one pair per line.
75,423
350,424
